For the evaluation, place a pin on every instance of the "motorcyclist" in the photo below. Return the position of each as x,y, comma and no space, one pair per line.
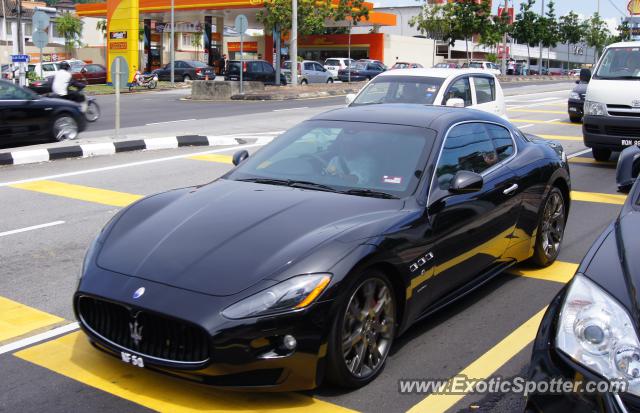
61,82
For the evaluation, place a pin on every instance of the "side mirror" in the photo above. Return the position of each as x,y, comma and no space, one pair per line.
628,168
455,103
585,75
240,156
464,182
350,98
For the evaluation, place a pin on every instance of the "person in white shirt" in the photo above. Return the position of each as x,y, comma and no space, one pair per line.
61,82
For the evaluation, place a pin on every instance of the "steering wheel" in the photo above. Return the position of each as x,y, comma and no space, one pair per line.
316,160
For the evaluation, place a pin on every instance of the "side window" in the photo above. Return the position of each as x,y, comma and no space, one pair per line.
467,147
485,89
502,141
267,68
10,92
309,66
318,67
48,67
254,67
459,89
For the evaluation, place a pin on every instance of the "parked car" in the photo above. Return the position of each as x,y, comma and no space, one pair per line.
308,72
91,74
186,70
446,66
405,65
373,61
360,71
488,66
253,70
334,64
398,209
575,104
445,87
589,333
48,69
27,117
574,72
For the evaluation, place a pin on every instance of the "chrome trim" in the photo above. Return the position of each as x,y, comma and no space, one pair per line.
619,402
135,352
485,172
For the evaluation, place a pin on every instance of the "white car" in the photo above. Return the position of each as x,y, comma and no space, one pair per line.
48,68
334,64
474,88
488,66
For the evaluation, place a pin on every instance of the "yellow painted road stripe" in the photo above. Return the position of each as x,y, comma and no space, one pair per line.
580,159
561,137
598,197
485,365
83,193
543,122
559,271
214,157
559,112
17,319
73,357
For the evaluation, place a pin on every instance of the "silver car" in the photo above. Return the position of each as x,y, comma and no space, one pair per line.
308,72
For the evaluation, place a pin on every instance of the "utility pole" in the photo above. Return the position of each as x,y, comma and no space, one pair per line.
293,47
540,45
20,41
504,40
172,46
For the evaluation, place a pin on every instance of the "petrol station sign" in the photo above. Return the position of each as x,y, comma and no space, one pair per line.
123,27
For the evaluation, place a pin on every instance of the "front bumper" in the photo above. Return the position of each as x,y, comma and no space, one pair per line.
610,132
548,363
576,108
242,354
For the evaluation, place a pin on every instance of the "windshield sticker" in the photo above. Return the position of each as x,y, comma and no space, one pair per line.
391,179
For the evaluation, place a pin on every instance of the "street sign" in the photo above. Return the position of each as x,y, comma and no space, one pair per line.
124,72
40,20
20,58
40,39
241,23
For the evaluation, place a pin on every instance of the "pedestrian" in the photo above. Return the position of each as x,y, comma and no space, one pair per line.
222,63
511,67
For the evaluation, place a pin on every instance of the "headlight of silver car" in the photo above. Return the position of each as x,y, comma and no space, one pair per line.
596,331
574,95
595,108
292,294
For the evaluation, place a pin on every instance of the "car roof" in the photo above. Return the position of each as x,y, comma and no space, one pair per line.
624,44
435,117
434,72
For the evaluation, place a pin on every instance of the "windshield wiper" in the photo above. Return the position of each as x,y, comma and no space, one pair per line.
290,182
369,192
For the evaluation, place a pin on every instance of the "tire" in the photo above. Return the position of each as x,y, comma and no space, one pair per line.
575,119
551,224
64,127
343,369
330,80
185,78
93,112
304,82
152,84
601,155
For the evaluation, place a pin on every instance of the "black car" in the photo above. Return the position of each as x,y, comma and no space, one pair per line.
590,331
576,101
253,70
184,70
28,117
311,256
361,70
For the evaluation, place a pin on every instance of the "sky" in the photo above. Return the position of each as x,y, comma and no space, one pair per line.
584,8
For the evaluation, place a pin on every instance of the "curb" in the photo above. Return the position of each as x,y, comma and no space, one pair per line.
301,95
22,157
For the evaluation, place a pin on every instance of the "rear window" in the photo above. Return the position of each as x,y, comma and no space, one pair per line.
400,89
475,65
332,62
195,63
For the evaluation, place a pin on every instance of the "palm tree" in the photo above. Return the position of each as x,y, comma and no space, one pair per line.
101,26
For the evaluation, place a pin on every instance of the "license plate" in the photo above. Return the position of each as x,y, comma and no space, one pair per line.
629,142
131,359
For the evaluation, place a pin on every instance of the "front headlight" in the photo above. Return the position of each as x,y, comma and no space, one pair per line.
574,95
292,294
595,108
596,331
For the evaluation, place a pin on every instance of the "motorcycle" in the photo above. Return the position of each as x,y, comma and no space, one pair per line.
89,106
148,81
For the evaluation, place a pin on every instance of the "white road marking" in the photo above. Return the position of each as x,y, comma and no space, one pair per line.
31,228
582,152
16,345
552,120
170,121
283,110
528,125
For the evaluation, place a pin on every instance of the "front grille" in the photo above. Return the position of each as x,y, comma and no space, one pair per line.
627,131
633,114
162,337
592,128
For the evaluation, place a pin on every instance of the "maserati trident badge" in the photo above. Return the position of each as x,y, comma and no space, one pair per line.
136,332
138,293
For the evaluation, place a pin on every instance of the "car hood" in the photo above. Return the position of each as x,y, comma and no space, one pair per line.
615,266
613,92
222,238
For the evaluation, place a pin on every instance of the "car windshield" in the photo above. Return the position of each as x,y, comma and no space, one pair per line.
195,63
620,63
367,159
358,65
400,89
475,65
332,62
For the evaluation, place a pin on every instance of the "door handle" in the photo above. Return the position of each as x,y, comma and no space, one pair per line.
510,190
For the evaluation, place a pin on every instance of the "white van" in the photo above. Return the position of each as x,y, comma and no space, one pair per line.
612,105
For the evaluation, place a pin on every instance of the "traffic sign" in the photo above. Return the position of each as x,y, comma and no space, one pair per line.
241,23
124,72
40,20
40,39
20,58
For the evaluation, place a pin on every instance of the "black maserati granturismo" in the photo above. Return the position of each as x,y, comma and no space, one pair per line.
306,260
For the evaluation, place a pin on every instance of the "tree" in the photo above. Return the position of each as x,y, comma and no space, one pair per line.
526,28
491,37
624,32
571,32
596,34
549,31
469,18
196,41
435,21
311,15
101,26
70,27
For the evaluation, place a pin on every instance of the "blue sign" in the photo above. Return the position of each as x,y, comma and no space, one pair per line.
20,58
